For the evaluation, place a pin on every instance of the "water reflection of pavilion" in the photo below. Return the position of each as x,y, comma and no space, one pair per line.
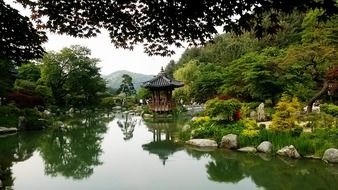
163,144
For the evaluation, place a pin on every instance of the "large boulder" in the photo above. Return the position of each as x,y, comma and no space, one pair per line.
261,112
331,155
265,146
289,151
229,141
202,142
248,149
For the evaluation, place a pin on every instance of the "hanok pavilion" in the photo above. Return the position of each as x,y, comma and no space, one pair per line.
161,87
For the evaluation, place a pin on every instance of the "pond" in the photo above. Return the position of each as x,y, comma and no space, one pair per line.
125,152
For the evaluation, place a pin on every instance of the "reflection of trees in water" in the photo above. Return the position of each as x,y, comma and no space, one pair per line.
16,148
277,173
223,169
163,144
74,151
127,125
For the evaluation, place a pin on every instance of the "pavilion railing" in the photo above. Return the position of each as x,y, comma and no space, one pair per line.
161,106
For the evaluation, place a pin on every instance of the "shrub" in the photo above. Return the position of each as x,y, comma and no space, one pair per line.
251,128
286,115
25,86
9,116
34,119
108,102
330,109
215,130
44,92
222,109
201,120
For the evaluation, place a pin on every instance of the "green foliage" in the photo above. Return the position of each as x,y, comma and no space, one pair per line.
254,76
201,120
188,73
306,143
286,115
30,72
251,128
9,116
72,73
7,77
222,109
330,109
34,119
143,93
25,86
155,25
20,41
206,86
296,61
108,102
45,92
170,68
215,130
127,86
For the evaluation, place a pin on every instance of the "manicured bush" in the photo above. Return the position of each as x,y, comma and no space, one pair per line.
222,109
286,115
251,128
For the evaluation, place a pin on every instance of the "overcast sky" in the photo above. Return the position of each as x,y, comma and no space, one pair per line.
112,59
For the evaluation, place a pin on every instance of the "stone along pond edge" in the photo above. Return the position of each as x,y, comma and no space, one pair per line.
230,141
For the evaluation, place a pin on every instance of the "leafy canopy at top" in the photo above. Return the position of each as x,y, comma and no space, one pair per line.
163,23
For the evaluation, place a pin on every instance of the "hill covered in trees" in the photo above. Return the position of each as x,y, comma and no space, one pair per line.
115,79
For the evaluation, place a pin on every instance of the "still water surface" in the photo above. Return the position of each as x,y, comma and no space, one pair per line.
119,152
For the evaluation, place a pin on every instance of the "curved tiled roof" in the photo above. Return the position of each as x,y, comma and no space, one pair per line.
162,81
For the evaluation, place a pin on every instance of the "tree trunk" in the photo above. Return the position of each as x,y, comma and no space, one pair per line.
316,96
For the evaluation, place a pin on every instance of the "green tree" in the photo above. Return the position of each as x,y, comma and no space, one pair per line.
170,68
187,74
72,76
254,76
310,62
143,93
308,65
208,82
20,41
7,78
30,72
127,86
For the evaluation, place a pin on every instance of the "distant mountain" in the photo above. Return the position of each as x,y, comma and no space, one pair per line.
114,79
